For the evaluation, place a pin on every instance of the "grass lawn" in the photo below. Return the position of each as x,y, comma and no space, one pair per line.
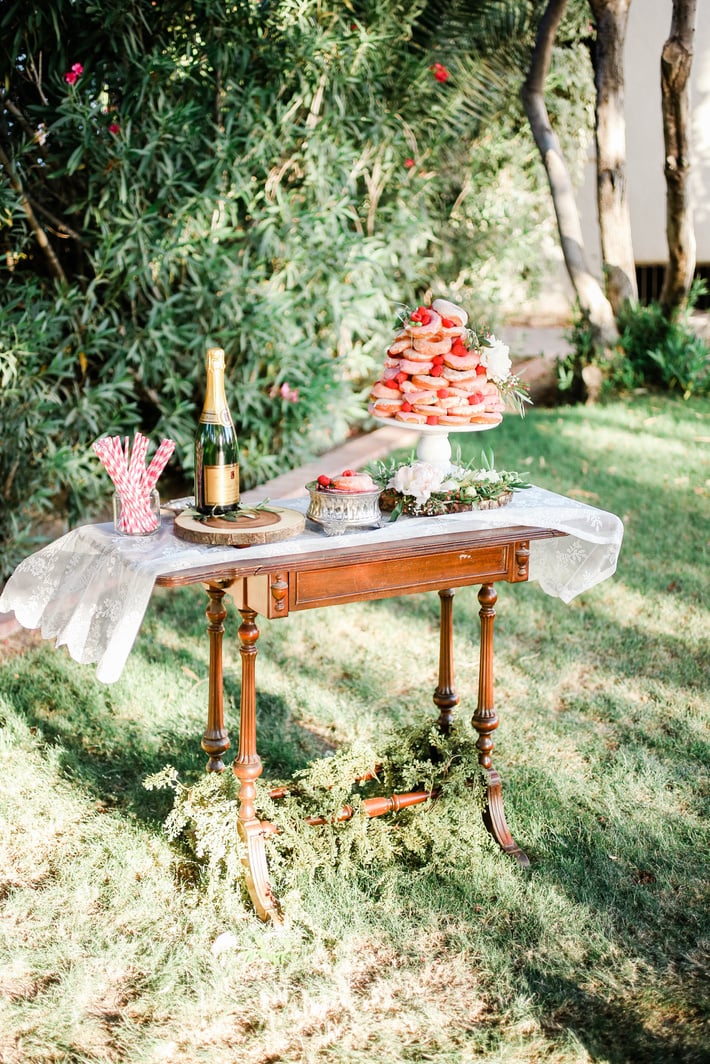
117,946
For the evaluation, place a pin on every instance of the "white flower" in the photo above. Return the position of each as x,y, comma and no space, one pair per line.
421,480
224,942
496,359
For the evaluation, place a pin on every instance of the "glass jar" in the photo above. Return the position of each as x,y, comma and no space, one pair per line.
136,519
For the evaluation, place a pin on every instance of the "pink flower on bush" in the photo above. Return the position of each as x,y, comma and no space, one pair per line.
114,128
440,72
409,163
286,392
73,75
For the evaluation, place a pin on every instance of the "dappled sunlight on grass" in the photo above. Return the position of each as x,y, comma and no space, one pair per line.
595,955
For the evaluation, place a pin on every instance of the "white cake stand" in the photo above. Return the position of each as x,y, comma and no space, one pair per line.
433,444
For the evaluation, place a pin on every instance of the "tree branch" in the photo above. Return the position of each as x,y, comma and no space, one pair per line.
676,62
595,306
55,266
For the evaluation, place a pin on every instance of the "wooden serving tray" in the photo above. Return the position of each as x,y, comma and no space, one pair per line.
249,528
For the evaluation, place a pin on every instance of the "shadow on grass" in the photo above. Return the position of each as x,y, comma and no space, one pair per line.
108,751
611,1033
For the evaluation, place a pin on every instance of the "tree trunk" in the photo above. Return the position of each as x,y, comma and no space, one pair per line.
676,60
611,17
594,304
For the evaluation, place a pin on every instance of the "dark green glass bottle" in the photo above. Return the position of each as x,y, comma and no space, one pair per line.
216,446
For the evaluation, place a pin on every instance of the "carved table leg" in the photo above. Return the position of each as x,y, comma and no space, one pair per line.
247,768
485,721
215,741
445,696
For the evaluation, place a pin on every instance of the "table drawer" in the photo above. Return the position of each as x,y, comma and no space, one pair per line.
372,579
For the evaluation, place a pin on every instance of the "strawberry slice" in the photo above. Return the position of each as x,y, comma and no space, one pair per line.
421,315
406,407
431,420
323,481
436,371
442,393
401,377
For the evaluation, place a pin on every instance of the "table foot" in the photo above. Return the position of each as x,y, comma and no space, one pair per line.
496,824
247,768
256,873
485,721
445,696
215,741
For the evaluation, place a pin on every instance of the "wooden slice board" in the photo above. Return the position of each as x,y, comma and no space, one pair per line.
262,526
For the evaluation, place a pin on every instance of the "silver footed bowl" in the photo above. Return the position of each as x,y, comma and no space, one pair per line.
343,511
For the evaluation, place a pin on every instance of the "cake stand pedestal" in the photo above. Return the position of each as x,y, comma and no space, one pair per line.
433,445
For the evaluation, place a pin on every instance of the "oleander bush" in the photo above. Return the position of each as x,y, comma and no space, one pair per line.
272,178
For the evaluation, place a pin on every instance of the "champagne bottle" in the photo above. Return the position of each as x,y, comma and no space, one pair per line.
216,446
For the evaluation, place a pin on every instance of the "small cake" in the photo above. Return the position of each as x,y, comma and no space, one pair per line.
438,372
344,503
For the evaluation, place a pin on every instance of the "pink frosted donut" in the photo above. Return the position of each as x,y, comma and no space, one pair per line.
449,310
415,367
431,410
432,327
384,407
423,381
455,419
399,344
431,347
411,416
383,391
469,361
459,374
486,419
353,482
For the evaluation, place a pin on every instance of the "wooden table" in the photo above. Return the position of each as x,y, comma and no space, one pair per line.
275,587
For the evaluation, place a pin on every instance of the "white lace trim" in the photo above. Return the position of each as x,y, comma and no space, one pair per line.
90,589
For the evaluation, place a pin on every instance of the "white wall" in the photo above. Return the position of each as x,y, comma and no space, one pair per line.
648,29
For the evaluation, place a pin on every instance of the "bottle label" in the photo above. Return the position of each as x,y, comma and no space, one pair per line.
221,485
215,417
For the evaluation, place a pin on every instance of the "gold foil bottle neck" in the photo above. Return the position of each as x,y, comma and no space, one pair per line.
215,358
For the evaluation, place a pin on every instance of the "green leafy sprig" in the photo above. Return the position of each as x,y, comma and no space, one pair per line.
474,485
249,512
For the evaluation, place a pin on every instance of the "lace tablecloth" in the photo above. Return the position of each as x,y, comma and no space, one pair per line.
89,590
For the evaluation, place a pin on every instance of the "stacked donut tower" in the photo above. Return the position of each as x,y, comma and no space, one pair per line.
435,373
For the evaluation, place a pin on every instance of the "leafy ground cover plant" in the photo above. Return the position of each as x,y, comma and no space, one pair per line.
118,944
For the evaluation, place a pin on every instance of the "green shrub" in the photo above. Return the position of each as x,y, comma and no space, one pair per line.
654,351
